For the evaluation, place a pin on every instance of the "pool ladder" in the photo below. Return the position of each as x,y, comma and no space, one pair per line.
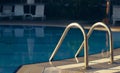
85,41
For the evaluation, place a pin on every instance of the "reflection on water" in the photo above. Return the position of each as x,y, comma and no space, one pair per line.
39,32
30,43
105,54
19,32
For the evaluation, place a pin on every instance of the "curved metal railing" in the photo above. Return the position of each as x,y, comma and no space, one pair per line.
110,39
84,42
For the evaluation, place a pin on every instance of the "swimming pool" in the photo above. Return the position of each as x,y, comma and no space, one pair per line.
20,45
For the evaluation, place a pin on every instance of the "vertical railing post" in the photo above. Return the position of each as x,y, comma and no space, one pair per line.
86,52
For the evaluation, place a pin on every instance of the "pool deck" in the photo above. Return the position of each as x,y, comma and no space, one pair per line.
97,62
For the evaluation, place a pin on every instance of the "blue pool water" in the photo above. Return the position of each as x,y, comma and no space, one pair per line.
20,45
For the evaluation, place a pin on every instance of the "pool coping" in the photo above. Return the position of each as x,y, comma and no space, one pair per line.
59,23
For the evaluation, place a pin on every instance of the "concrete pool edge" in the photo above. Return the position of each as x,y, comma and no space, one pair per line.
44,67
60,23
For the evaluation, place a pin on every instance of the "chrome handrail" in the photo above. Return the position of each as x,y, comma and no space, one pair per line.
110,39
63,36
